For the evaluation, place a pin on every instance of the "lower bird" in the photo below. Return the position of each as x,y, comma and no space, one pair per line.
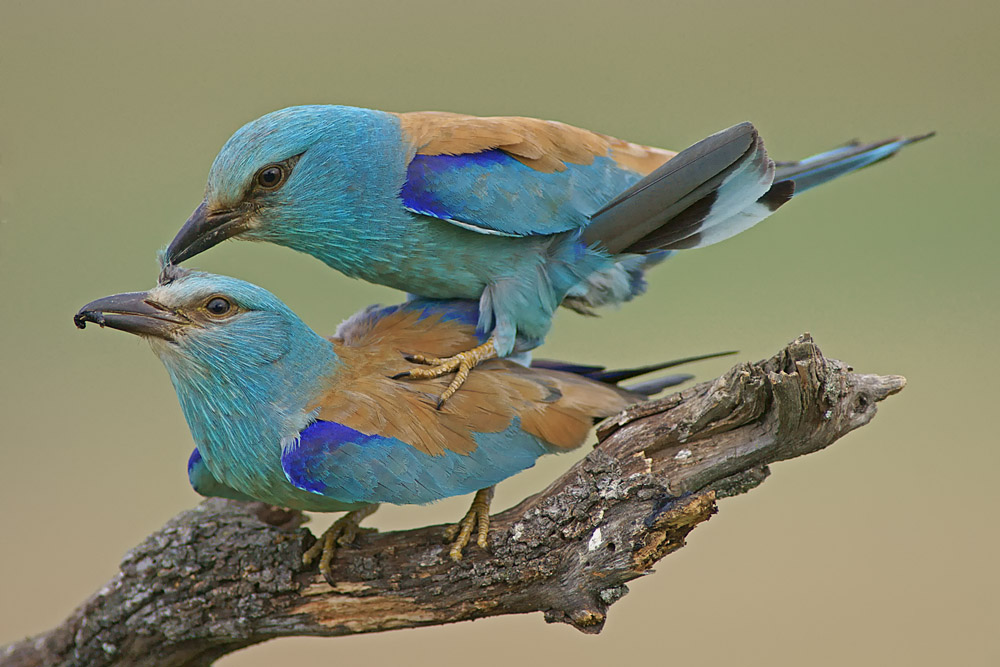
521,214
285,416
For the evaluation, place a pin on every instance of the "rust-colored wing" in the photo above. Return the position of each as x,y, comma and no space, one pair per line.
515,176
543,145
555,406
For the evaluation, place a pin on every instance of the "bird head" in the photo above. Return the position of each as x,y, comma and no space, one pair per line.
244,367
202,324
277,175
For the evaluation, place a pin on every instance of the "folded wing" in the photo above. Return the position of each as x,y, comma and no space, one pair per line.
375,439
515,176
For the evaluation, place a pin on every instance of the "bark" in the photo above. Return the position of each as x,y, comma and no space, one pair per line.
227,575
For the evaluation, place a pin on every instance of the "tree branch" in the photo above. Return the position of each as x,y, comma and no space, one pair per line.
226,575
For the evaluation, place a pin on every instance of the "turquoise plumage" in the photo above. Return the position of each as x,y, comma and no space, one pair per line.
521,214
282,415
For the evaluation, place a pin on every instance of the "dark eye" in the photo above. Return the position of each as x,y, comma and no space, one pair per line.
271,176
218,306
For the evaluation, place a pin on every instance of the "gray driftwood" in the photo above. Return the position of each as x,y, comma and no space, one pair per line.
226,575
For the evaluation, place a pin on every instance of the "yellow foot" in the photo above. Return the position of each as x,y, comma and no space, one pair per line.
341,533
478,517
461,365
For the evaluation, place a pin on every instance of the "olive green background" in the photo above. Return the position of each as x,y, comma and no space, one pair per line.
880,550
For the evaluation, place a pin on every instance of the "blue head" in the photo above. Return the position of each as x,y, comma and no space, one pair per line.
240,360
302,177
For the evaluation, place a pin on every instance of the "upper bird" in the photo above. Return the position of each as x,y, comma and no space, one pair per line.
520,213
285,416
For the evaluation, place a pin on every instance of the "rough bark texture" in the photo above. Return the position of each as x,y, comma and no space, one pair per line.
226,575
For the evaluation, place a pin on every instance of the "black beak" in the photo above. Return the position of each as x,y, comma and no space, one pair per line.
204,229
133,312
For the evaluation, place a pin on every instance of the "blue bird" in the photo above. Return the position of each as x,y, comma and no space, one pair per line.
282,415
521,214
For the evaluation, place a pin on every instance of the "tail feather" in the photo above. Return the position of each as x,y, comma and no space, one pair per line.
717,188
656,200
566,367
819,169
716,228
743,198
653,387
613,377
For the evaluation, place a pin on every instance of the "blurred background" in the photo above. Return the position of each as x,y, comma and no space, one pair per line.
881,550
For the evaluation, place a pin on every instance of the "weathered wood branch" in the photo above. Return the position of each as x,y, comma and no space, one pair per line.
226,575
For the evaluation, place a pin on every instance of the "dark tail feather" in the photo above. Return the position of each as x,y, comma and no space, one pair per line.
616,376
576,369
647,388
717,188
653,387
693,175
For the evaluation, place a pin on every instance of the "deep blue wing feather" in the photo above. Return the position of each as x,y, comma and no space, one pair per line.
490,192
339,462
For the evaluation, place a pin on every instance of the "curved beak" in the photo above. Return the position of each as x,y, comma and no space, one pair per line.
204,229
133,312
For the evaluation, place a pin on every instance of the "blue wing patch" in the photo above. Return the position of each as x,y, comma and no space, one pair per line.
462,311
317,444
492,193
339,462
419,192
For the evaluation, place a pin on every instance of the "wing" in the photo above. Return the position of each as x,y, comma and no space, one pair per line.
514,176
380,440
376,439
558,407
339,462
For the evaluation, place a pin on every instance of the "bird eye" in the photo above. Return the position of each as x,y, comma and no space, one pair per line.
270,177
218,306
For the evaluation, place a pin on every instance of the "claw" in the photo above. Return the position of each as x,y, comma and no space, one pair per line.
343,532
422,359
477,517
461,365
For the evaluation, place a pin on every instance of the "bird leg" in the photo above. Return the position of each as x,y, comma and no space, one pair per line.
478,516
343,532
461,365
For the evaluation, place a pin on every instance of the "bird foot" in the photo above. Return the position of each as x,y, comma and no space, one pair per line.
477,517
461,365
343,532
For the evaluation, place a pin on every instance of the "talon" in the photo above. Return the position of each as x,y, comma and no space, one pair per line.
329,549
461,364
313,551
423,359
477,517
342,533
